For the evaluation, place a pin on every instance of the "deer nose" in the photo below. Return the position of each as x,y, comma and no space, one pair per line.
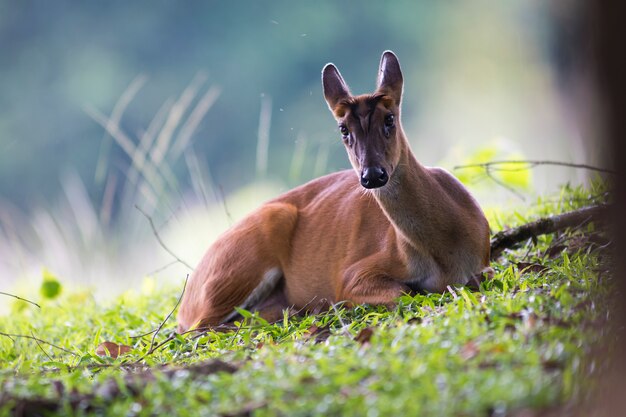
374,177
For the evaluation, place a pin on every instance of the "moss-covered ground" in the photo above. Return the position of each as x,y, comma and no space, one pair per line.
524,341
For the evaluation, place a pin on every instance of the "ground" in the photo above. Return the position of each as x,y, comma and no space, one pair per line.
530,340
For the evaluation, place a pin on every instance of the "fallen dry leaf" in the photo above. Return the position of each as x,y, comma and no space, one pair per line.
317,334
469,350
531,267
364,335
112,349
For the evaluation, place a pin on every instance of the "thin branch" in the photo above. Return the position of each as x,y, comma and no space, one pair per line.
139,336
25,336
158,329
158,238
532,164
40,347
572,219
489,170
20,298
157,347
171,312
163,268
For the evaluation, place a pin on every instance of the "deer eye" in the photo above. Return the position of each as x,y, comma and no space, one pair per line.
389,120
344,130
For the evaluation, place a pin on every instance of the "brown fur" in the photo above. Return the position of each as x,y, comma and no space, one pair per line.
333,240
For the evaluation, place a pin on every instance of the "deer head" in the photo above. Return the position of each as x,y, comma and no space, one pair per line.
370,123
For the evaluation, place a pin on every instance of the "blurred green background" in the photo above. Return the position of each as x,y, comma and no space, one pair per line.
212,107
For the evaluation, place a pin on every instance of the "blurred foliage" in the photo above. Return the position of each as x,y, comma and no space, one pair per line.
57,58
520,345
50,287
105,108
509,174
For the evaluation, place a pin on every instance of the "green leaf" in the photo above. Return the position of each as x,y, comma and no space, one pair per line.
50,287
514,175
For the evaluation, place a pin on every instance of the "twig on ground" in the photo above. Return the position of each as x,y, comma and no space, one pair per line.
157,347
25,336
158,238
572,219
158,329
39,346
20,298
531,164
139,336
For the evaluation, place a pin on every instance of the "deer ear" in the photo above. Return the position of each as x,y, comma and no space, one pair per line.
335,88
390,77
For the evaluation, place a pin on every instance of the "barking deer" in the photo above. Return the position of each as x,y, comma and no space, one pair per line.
386,227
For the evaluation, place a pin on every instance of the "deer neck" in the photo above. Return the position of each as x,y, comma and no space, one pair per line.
411,201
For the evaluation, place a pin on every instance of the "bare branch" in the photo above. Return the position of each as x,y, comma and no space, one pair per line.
20,298
169,315
158,329
531,164
163,268
572,219
139,336
157,347
39,345
25,336
488,171
158,238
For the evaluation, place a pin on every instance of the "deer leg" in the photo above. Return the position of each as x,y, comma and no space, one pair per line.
369,282
244,258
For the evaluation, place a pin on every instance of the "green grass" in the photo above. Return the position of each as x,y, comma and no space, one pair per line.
522,341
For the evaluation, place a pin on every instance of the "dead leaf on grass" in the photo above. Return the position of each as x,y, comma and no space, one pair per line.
317,334
469,350
112,349
364,336
531,267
